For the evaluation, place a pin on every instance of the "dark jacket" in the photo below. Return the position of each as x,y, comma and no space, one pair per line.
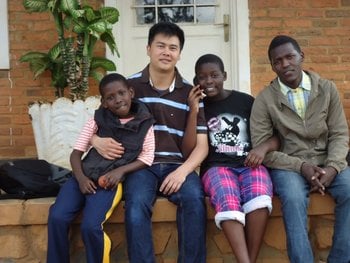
131,135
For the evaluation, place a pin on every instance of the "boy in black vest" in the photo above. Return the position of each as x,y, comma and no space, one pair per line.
125,120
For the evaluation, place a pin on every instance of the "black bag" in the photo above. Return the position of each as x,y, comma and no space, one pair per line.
31,178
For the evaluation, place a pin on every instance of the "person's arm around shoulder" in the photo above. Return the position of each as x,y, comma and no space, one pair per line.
107,147
261,129
256,155
145,159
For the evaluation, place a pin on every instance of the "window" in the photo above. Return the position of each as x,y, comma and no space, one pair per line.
176,11
4,47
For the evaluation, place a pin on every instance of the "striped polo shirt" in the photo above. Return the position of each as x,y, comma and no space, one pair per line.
170,110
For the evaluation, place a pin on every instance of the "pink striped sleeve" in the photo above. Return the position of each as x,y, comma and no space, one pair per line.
83,141
147,154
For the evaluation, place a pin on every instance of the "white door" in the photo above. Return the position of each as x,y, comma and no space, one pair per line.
210,26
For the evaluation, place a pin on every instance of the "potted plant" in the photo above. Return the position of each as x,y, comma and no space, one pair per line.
71,62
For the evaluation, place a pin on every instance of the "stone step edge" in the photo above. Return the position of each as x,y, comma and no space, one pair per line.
35,211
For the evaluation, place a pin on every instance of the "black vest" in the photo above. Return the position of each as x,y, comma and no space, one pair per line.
131,135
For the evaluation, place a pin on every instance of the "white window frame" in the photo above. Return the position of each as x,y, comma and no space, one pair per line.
4,36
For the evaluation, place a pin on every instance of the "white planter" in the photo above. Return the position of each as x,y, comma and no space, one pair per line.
56,127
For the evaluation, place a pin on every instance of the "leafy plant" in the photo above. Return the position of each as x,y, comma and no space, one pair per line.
71,61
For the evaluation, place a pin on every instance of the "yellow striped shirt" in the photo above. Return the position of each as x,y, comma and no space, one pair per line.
298,97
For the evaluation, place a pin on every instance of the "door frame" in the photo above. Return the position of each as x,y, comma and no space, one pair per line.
240,50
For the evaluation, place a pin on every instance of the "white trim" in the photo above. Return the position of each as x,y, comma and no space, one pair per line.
261,201
229,215
240,59
4,36
117,29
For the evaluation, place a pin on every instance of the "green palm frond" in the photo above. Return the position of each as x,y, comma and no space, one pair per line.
104,63
32,55
108,38
109,14
97,75
69,5
54,52
71,60
36,5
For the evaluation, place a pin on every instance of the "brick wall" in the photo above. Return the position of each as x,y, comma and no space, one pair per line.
27,32
321,26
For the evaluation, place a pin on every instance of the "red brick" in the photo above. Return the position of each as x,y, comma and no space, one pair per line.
334,76
324,59
310,13
22,16
261,4
339,51
345,58
337,31
322,41
338,13
325,23
339,67
314,51
284,13
258,13
309,32
300,23
325,3
294,4
267,23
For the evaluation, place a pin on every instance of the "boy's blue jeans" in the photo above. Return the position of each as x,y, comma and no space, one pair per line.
293,191
141,189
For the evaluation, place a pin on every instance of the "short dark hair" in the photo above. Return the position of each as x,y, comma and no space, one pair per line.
111,78
168,29
209,58
281,40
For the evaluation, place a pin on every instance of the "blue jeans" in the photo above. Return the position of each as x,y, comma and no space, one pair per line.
141,189
293,191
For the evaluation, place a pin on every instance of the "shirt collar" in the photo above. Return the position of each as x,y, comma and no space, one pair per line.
305,84
172,85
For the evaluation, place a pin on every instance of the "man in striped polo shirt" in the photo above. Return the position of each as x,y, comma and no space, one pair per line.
161,87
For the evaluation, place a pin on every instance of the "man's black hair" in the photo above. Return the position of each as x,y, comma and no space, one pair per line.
281,40
168,29
209,58
111,78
